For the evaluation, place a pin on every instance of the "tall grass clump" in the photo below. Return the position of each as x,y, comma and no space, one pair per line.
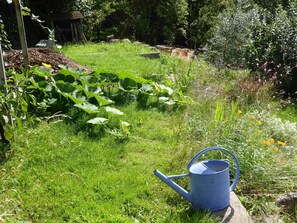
238,114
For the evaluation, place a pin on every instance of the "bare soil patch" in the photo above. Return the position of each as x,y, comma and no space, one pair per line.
37,56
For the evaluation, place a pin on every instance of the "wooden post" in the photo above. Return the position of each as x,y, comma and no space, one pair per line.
2,68
22,33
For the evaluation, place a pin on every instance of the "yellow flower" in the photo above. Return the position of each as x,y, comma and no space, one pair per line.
259,123
271,140
158,89
46,65
250,124
251,117
276,150
239,112
259,131
281,143
267,143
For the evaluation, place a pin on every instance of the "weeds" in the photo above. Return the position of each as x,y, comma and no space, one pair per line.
62,172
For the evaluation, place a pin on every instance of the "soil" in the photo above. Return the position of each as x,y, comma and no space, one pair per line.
37,56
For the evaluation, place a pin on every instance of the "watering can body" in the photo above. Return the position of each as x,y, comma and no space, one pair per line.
209,182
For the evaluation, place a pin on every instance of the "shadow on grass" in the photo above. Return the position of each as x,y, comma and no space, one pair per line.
5,152
188,214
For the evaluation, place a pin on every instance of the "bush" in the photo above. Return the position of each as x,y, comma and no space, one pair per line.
230,39
262,41
273,50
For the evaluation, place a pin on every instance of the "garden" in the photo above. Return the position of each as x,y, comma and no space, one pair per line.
88,123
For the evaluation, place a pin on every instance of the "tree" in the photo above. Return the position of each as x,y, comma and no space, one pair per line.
203,17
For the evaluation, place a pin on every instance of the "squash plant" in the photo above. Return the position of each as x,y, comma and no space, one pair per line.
39,92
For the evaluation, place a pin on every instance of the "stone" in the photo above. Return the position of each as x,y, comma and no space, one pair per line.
288,201
126,40
235,213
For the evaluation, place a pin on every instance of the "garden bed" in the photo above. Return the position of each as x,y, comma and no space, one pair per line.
14,59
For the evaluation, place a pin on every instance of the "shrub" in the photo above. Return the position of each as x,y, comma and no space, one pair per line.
230,39
260,40
273,50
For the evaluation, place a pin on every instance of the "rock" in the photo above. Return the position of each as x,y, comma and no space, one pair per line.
183,53
288,201
235,213
150,55
109,37
166,49
115,40
126,40
272,219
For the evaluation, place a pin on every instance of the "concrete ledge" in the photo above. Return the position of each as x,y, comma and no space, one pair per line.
235,213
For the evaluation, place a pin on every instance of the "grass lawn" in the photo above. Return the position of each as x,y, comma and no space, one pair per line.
56,173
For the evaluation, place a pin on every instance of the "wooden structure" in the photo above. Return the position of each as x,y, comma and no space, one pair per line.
2,68
68,27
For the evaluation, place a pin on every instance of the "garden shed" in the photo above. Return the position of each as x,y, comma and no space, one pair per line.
68,27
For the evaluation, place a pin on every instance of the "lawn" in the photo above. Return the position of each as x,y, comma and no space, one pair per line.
57,172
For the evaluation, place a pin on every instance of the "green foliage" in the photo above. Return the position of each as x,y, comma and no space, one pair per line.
53,171
5,43
230,39
263,143
273,49
261,41
203,17
152,22
39,92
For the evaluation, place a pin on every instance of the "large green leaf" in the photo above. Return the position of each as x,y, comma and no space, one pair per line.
65,78
88,107
65,86
69,71
44,86
167,100
75,99
89,79
98,121
140,80
164,89
146,88
114,111
103,100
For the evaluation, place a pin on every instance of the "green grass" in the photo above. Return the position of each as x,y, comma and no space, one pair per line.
55,175
122,57
58,173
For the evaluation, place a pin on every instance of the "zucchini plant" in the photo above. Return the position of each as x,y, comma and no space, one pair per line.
41,92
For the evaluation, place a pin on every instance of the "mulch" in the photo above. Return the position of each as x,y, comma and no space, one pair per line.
37,56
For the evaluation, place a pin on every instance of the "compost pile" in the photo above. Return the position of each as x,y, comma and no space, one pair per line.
37,56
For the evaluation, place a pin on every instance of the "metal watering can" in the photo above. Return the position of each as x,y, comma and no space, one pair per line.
209,182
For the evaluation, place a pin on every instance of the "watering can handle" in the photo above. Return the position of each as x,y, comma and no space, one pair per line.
222,149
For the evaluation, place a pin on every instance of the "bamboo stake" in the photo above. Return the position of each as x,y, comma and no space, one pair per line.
2,68
22,32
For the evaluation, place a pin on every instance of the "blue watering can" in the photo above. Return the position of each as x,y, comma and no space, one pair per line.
209,182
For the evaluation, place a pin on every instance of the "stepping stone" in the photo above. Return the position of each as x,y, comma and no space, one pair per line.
235,213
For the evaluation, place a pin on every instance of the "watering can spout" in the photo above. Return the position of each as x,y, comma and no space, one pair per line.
181,191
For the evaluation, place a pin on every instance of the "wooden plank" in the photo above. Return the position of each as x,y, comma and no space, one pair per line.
22,33
2,68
